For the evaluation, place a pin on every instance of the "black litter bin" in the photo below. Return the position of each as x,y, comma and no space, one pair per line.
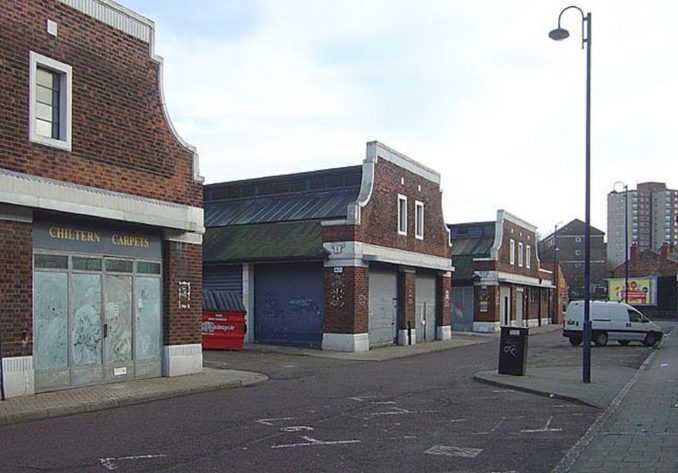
513,350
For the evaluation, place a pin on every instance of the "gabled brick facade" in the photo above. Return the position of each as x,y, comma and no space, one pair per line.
381,284
114,166
499,260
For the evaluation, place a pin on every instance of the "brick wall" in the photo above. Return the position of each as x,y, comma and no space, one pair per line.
407,305
512,231
16,288
491,295
345,305
121,141
379,218
443,300
183,315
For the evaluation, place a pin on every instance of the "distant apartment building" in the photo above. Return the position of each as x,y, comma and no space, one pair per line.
569,241
651,219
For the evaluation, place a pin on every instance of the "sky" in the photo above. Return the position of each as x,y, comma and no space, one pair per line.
475,90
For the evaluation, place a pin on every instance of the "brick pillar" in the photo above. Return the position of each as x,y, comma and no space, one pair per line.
407,306
16,306
345,309
444,306
182,316
16,288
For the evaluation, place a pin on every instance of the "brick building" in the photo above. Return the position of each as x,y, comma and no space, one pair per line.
569,241
652,278
101,216
340,259
498,280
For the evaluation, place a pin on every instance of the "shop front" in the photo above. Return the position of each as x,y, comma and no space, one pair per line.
97,312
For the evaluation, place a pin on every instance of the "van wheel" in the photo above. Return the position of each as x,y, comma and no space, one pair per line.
623,342
600,339
575,340
650,339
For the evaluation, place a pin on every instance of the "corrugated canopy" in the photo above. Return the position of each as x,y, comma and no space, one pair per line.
264,242
280,208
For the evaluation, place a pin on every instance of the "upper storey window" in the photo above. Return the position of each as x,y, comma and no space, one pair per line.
520,254
419,220
512,251
50,102
402,215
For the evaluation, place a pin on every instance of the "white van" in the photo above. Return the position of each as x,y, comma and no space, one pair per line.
610,321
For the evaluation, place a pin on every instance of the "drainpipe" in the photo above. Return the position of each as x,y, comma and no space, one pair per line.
409,332
2,374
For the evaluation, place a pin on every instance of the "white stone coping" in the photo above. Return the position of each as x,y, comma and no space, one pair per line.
355,253
50,194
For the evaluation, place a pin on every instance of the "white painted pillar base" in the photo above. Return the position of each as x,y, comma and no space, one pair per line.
486,327
347,342
178,360
18,376
444,332
403,340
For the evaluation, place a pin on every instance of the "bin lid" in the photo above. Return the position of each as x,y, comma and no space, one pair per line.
216,299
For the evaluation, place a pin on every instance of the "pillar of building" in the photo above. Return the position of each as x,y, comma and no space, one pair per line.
407,306
444,306
345,309
182,350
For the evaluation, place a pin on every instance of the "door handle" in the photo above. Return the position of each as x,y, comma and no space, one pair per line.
105,330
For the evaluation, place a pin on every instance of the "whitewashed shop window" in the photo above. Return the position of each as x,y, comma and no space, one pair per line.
402,215
512,251
50,102
419,220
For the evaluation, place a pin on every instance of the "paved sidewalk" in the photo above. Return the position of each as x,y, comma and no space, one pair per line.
390,352
639,430
104,396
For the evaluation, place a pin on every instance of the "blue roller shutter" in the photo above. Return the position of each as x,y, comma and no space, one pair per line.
288,301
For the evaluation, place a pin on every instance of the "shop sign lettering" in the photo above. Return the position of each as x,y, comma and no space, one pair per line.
90,236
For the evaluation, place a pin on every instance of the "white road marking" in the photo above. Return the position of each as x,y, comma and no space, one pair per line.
395,412
269,422
311,442
458,420
297,428
463,452
361,398
545,429
110,462
493,429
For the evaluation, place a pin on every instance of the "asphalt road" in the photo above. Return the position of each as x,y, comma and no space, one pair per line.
422,413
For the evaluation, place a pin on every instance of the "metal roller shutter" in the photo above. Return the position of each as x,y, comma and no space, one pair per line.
426,308
383,307
288,301
462,309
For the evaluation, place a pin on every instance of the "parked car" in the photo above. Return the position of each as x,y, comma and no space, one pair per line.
610,321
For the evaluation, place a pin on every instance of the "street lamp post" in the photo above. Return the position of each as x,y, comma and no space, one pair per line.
626,240
559,34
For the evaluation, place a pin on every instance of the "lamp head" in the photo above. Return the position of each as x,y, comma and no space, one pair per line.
559,34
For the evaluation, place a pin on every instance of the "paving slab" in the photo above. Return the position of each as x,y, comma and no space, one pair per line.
565,382
105,396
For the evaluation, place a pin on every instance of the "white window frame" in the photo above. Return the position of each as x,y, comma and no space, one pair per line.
512,251
520,254
65,101
402,218
418,227
528,256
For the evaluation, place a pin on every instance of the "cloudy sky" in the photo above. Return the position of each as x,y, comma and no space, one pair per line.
473,89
